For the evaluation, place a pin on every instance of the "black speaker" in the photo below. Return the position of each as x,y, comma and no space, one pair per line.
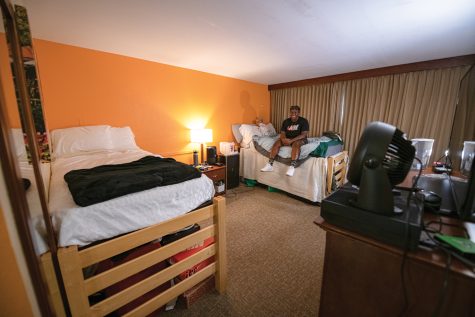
211,154
232,170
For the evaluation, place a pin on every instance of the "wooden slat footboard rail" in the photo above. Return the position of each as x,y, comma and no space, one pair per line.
72,261
336,170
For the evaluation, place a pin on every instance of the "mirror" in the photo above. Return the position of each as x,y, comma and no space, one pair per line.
25,151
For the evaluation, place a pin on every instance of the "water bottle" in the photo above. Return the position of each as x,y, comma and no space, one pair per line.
195,158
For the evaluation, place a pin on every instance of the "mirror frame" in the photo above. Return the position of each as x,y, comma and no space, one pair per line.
15,190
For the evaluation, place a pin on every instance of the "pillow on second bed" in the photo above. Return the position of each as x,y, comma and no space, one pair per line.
248,131
267,129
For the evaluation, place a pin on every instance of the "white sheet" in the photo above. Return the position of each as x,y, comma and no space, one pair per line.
37,225
83,225
309,180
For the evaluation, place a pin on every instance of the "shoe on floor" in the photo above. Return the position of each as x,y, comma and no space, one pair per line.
290,171
267,168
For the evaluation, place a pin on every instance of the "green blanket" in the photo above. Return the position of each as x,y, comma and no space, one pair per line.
321,150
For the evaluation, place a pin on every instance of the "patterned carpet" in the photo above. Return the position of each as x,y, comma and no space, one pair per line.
275,258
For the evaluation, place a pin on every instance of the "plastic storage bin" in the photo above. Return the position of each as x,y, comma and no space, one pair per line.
423,151
468,155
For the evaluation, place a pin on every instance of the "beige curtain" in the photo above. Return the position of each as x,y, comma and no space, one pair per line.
421,104
315,105
464,122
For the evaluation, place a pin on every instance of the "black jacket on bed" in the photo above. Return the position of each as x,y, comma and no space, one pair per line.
101,183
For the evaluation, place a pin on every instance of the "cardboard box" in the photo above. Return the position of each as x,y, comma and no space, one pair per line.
189,252
196,292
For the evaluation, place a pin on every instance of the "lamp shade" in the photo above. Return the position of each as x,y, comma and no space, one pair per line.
201,135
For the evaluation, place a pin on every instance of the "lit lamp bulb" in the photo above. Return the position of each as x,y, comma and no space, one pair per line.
201,136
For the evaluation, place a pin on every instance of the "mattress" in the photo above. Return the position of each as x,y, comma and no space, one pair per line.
83,225
309,180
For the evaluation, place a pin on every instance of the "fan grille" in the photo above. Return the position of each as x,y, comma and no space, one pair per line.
398,158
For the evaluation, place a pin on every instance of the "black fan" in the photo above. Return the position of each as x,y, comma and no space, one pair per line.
382,159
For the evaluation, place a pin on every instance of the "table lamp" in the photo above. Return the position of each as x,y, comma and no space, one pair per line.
201,136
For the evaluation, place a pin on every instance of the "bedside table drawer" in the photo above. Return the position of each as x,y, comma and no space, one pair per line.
216,175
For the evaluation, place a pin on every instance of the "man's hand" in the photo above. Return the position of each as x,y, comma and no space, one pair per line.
286,141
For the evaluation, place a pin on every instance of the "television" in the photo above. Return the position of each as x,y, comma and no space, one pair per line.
467,208
457,195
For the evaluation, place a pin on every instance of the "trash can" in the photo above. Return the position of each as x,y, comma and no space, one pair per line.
423,151
468,154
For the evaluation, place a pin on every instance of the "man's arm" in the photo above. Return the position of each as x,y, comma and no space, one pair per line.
284,139
282,136
301,136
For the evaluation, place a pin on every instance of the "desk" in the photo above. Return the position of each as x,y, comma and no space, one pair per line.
362,277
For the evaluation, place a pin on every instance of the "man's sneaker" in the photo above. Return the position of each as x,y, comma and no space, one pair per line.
290,171
267,168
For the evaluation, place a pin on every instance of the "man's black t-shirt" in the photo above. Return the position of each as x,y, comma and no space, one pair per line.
293,129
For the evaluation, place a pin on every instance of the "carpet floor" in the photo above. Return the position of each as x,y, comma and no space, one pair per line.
275,258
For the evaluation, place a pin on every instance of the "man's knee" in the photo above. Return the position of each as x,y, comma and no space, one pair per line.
277,144
297,144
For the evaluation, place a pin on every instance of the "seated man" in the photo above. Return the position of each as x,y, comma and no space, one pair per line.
293,133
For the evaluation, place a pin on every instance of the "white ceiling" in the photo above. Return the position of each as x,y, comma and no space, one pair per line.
263,41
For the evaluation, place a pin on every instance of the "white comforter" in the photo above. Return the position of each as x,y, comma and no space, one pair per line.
267,142
309,180
83,225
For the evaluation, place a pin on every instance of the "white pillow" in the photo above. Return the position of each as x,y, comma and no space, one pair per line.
79,140
19,144
248,131
267,129
236,133
123,139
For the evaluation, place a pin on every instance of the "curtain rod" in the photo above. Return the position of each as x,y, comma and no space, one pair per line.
389,70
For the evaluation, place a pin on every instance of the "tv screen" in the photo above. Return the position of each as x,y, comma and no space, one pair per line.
467,211
457,195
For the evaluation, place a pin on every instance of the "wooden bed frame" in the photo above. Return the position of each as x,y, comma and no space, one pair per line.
336,171
72,261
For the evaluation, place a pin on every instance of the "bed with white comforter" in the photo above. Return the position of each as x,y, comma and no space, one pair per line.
309,180
83,225
88,147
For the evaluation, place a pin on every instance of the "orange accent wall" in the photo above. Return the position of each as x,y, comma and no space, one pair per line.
14,300
159,102
7,84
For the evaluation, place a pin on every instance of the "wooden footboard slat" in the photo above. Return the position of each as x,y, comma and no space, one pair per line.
330,163
336,170
73,261
124,243
340,156
47,268
220,220
172,293
116,274
73,280
116,301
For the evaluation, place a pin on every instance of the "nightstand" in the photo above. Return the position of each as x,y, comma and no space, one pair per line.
217,174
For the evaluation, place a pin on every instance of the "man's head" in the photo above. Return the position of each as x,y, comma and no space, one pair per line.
294,112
